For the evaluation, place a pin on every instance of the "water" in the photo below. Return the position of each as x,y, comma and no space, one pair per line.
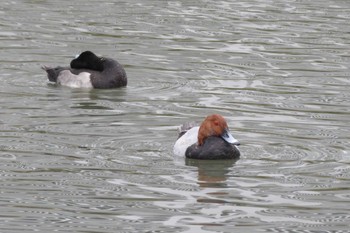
101,161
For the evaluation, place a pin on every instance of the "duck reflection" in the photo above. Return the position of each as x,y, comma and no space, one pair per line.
212,173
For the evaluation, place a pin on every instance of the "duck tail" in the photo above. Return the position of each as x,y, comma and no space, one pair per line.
46,68
185,127
52,72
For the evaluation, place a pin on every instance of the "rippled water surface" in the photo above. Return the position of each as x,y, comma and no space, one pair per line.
74,160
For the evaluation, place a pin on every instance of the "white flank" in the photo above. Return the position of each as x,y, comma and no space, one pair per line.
82,80
186,140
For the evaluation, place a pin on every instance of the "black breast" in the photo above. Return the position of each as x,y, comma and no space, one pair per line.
213,148
113,75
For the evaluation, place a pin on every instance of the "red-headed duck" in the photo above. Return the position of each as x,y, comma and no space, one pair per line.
88,71
210,140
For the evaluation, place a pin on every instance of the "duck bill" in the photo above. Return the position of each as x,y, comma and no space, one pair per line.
227,136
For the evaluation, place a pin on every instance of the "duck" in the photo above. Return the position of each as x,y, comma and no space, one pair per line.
88,70
211,140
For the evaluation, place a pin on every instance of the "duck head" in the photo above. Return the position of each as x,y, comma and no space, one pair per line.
215,125
87,60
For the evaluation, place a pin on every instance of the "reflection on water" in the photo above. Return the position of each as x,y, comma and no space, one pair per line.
100,160
212,173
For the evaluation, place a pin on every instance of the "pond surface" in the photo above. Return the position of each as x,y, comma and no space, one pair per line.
75,160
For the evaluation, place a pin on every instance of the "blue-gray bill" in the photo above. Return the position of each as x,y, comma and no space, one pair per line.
227,136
